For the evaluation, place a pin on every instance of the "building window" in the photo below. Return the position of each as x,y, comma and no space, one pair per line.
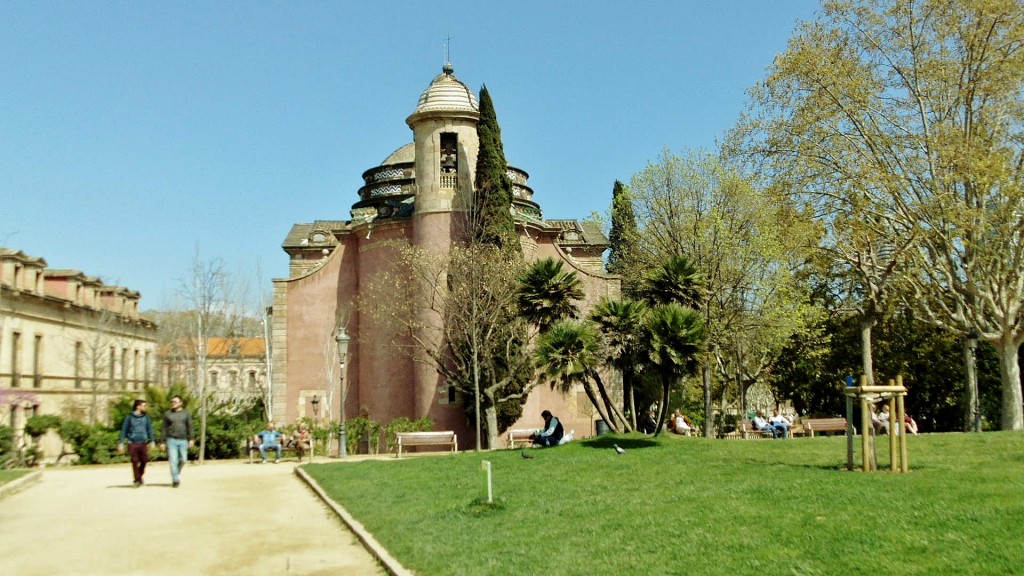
252,380
78,364
37,353
135,369
213,379
124,368
111,369
15,360
449,160
233,380
146,369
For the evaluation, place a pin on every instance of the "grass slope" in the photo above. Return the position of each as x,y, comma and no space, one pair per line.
696,506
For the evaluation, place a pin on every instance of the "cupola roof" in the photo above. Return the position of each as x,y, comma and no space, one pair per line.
447,93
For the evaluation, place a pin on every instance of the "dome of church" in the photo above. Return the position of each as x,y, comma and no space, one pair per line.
447,93
404,154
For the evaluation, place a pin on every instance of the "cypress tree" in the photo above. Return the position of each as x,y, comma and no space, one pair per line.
623,236
493,222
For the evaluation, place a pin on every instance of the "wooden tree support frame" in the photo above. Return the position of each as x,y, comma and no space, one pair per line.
866,395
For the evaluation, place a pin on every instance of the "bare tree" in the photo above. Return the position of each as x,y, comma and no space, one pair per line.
477,341
204,291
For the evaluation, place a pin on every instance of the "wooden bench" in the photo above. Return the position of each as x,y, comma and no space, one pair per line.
252,447
812,425
521,436
443,438
747,430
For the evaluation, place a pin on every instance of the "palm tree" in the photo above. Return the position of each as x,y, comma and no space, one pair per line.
569,352
675,336
620,323
547,292
677,280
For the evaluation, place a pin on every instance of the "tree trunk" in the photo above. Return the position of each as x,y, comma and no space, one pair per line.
597,406
866,324
972,415
1009,374
491,416
610,407
628,401
666,387
708,407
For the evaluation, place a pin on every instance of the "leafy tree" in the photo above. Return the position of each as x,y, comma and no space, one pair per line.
492,200
907,118
746,242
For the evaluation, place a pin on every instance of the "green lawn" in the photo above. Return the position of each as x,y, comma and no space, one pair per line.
11,475
696,506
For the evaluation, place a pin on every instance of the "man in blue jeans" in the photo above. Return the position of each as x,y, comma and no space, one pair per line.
178,437
270,439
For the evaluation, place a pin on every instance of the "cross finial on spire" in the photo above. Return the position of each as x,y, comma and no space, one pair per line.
447,68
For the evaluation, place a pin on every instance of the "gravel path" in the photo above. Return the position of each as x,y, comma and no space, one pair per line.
226,518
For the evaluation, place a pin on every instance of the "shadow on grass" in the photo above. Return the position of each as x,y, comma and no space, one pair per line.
608,442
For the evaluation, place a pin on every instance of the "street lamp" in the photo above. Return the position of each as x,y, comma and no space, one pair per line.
342,340
316,406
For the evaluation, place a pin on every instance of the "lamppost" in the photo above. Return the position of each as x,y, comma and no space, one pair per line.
342,341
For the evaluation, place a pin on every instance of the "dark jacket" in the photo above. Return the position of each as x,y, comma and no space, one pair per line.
137,429
178,425
553,430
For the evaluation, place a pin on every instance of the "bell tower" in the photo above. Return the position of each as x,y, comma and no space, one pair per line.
446,145
444,134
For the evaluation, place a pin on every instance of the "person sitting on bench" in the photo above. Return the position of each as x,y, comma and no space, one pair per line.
761,424
552,432
270,438
300,440
780,422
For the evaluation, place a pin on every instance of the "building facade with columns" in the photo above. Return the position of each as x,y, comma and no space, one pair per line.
413,197
68,343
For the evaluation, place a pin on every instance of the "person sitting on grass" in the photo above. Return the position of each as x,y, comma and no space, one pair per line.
551,434
270,439
648,425
910,424
881,420
681,424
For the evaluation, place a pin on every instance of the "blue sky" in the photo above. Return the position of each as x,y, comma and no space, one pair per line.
134,133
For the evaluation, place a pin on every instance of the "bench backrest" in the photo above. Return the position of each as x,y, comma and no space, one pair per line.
412,438
825,424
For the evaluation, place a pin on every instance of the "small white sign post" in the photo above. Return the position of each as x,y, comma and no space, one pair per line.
486,465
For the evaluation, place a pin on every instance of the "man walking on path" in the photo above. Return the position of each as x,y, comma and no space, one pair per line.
137,428
178,437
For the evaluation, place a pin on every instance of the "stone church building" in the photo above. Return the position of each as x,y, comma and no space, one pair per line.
412,197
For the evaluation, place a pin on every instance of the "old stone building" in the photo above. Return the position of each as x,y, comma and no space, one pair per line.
236,367
68,343
413,197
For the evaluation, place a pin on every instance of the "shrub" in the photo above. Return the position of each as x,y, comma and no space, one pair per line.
8,457
99,446
403,424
